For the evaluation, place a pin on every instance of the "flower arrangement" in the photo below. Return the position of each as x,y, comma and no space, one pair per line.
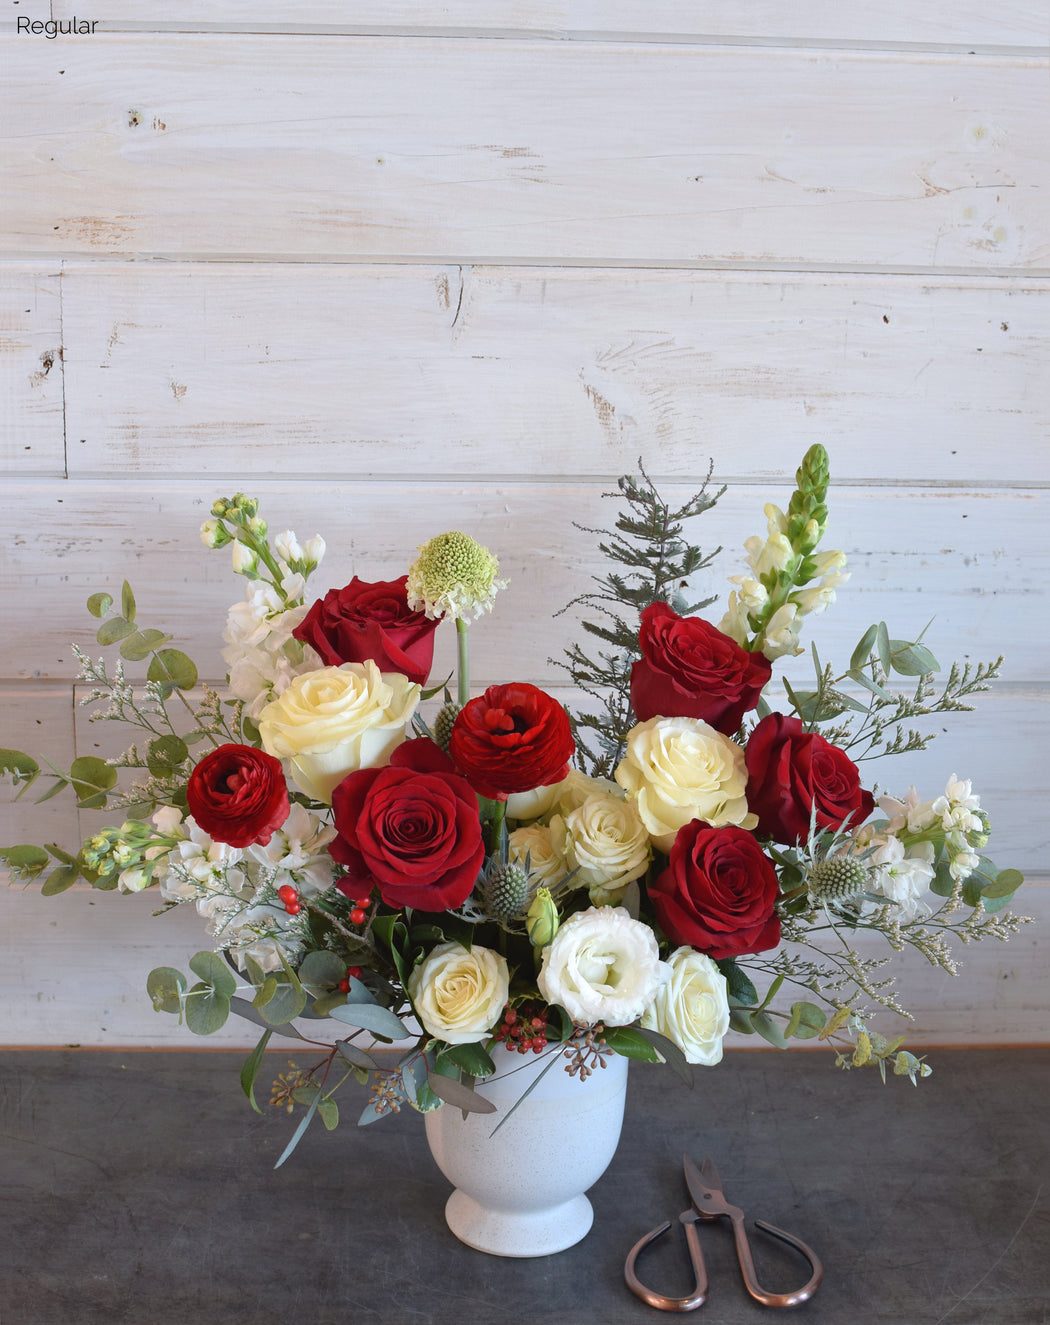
632,877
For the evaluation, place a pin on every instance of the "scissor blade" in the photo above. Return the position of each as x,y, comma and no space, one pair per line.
705,1186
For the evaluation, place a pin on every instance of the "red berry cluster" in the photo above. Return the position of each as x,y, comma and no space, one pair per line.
289,899
524,1028
352,973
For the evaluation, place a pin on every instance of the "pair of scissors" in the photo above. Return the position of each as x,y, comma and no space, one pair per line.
708,1203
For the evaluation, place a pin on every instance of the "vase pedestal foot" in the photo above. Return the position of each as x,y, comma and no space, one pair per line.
518,1233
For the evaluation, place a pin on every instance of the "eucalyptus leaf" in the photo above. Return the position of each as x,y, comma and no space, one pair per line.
60,784
214,972
297,1135
768,1029
92,779
172,667
863,679
461,1097
127,601
630,1043
165,987
670,1052
371,1017
25,861
882,646
283,1004
114,630
250,1069
912,659
99,604
20,766
862,652
242,1008
207,1010
1005,884
413,1075
166,756
321,970
142,644
807,1021
328,1111
356,1057
59,880
740,1021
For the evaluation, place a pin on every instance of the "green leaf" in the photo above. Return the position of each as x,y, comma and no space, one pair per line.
942,882
471,1058
99,604
356,1057
771,993
807,1021
297,1135
670,1052
321,971
862,652
92,779
206,1009
172,667
279,1003
1005,884
166,756
912,659
328,1111
738,983
116,628
863,679
60,784
250,1069
768,1029
127,601
461,1097
241,1008
59,880
24,861
214,971
370,1017
630,1043
165,987
882,646
142,643
21,767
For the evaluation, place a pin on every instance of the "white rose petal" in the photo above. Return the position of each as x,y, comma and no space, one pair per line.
605,842
692,1008
335,720
459,995
679,769
602,966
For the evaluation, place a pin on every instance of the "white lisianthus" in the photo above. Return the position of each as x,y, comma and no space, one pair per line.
602,966
692,1008
458,994
605,842
679,769
335,720
547,866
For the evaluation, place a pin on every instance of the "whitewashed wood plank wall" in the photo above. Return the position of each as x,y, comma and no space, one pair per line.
461,264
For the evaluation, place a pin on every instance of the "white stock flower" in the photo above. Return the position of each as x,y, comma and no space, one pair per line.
299,849
335,720
459,995
678,769
602,966
605,842
901,874
692,1008
547,866
262,655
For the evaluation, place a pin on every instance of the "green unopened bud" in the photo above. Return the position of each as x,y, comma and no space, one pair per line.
542,918
257,526
220,506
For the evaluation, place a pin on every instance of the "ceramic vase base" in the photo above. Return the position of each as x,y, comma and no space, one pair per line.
518,1233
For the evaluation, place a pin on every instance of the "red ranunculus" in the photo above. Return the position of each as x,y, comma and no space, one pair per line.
689,669
790,770
512,738
371,621
238,795
718,892
411,830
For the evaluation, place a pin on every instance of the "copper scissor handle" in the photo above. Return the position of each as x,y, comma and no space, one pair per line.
699,1294
747,1264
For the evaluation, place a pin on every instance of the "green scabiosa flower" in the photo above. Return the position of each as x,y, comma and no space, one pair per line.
453,576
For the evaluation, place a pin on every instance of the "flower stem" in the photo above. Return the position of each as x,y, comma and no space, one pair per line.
463,660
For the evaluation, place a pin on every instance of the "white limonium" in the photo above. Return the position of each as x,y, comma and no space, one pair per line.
692,1007
602,966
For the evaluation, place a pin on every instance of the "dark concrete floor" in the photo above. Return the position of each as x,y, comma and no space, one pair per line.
139,1188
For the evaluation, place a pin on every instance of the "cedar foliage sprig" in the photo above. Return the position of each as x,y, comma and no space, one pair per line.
648,541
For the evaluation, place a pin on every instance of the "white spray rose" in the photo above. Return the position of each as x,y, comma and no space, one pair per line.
602,966
335,720
692,1008
605,841
546,864
679,769
459,995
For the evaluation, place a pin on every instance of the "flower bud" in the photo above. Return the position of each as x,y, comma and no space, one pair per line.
257,526
244,560
542,918
214,534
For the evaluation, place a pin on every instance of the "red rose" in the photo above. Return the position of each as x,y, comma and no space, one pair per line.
374,621
238,795
718,892
511,738
789,771
689,669
411,830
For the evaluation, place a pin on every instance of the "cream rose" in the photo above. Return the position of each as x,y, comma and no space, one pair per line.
459,994
605,841
546,864
602,966
692,1008
577,787
678,769
335,720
